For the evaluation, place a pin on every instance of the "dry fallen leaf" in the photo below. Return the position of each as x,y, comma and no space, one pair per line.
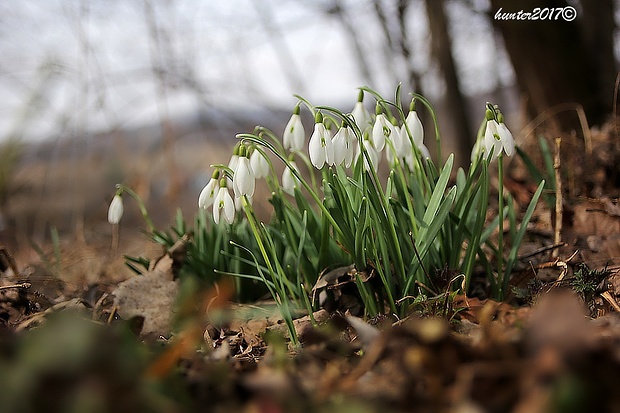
151,296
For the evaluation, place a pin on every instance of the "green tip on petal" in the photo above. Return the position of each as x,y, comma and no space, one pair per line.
360,96
318,118
242,151
223,183
378,109
296,110
216,174
412,105
489,115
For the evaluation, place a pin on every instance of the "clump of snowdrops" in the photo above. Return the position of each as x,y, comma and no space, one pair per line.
395,232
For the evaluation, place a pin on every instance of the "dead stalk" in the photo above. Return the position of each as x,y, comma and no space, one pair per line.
558,197
21,285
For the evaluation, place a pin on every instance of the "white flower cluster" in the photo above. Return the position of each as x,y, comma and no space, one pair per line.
378,132
342,148
247,164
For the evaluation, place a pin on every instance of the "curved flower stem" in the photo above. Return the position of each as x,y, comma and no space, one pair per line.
120,188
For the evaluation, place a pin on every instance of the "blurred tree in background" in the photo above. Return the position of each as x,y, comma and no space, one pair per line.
558,61
162,76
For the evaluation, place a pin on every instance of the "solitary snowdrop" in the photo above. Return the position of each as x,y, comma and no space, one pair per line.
320,147
294,133
223,204
115,212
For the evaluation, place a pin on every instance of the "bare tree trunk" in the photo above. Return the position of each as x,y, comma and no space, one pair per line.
441,47
598,25
559,61
413,78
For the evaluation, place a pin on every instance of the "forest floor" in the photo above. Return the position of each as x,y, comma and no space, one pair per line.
77,333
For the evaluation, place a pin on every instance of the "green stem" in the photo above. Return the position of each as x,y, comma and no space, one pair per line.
145,214
277,277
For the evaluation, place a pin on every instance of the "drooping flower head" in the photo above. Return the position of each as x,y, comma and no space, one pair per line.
508,142
115,211
415,125
360,113
294,133
497,137
382,129
223,204
243,178
234,159
343,144
207,195
259,163
320,147
373,155
289,180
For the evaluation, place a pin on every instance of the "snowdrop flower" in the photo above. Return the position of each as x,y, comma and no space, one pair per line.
417,131
508,142
360,113
343,146
294,133
234,159
207,195
223,203
382,129
415,126
115,212
243,178
232,163
289,180
320,148
259,164
497,137
373,154
492,140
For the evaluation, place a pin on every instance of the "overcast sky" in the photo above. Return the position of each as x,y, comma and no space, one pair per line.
88,64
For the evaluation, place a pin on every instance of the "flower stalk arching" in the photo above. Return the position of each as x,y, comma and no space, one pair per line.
301,180
115,211
120,189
